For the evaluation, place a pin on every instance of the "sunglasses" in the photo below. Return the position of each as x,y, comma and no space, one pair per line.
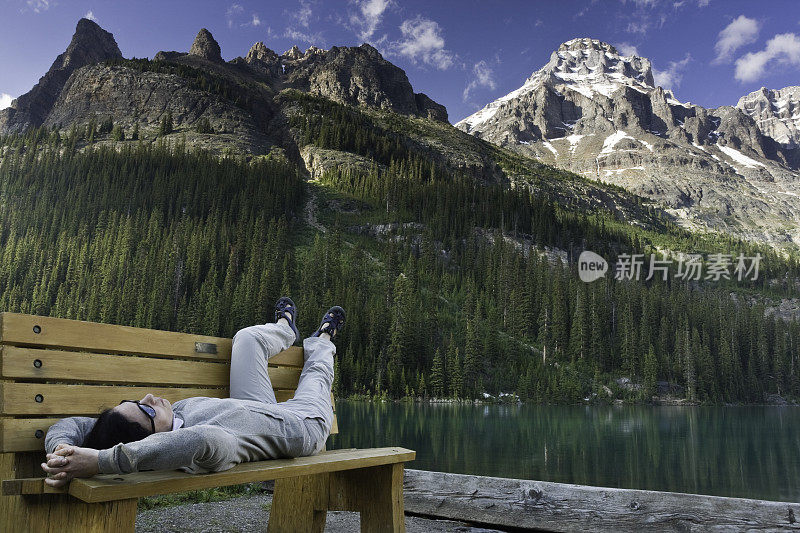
146,409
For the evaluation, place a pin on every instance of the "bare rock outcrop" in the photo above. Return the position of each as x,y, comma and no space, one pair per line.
206,46
90,44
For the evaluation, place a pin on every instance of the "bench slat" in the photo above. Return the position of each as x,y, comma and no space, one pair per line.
90,400
291,356
20,329
109,487
58,365
19,434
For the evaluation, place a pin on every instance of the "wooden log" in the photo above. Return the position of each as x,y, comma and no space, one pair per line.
550,506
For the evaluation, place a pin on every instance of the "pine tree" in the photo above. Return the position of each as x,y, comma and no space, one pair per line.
471,357
165,127
545,328
560,313
579,336
437,380
399,334
691,344
454,370
650,372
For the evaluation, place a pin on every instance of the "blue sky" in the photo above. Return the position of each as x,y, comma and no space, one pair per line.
462,54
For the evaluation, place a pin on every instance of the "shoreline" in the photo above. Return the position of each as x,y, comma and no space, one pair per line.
657,402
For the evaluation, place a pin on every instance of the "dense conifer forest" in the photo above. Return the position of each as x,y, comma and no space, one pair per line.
455,299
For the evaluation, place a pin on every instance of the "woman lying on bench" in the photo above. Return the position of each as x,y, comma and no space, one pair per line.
202,434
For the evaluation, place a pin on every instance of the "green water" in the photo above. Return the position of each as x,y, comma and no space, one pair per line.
747,452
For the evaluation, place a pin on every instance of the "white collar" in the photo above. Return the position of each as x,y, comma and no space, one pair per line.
176,422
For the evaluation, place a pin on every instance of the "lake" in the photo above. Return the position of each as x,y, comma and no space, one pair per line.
746,452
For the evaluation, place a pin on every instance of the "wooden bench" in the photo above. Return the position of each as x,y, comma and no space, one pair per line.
52,368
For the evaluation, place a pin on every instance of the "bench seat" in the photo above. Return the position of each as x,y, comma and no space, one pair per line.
109,487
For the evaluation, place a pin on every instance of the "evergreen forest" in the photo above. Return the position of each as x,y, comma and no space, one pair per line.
450,282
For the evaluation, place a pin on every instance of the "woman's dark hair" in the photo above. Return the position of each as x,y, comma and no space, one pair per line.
112,428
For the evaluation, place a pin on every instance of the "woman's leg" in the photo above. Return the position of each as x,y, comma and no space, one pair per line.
252,348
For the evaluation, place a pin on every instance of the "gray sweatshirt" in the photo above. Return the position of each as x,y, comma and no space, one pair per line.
217,434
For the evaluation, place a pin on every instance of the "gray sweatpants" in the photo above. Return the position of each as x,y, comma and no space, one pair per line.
251,350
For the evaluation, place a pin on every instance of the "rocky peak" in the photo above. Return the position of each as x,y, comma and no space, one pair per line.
586,68
313,50
293,53
356,75
595,66
259,52
585,43
371,50
206,46
90,44
776,112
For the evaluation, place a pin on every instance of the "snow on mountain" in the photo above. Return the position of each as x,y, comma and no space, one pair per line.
777,113
586,66
599,114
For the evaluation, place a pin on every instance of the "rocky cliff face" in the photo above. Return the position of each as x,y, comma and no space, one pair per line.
206,46
349,75
777,113
235,98
90,44
600,114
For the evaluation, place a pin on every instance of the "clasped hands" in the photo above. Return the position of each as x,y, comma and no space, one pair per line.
68,462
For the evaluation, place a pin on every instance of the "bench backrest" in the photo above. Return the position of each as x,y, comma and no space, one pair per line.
52,368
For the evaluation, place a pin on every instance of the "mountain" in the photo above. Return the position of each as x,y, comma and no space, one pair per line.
236,100
599,114
777,113
265,103
90,44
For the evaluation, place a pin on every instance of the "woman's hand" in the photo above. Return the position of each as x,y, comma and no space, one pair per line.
67,462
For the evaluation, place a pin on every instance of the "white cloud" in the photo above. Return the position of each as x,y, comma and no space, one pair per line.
302,18
638,27
90,15
422,41
39,6
303,15
738,33
627,49
671,78
484,77
233,11
305,37
703,3
370,13
643,4
255,21
5,100
784,48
